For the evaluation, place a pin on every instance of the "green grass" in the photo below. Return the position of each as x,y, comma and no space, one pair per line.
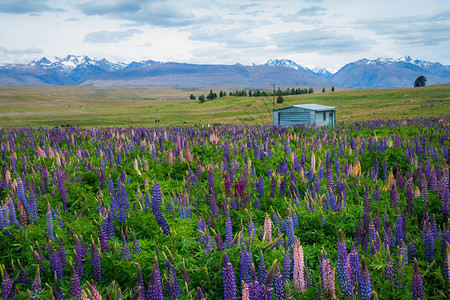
145,106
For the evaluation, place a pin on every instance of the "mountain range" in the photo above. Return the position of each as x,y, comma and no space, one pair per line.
82,70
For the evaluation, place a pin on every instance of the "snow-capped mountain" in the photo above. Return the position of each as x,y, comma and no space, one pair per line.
140,64
83,70
322,72
389,72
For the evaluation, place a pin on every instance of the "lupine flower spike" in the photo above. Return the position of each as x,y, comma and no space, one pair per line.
417,283
229,281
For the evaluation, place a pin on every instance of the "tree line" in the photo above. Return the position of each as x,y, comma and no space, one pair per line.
254,93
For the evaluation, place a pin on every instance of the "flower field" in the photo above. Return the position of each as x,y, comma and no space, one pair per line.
360,210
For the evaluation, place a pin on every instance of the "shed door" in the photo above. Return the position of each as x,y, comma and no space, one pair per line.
292,118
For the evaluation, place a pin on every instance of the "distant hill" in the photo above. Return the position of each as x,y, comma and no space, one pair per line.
82,70
177,74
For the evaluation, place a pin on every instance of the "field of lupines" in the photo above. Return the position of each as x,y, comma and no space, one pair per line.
358,211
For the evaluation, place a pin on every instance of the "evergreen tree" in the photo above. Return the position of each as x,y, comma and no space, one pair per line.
420,81
311,90
323,90
192,97
211,95
280,97
202,98
332,88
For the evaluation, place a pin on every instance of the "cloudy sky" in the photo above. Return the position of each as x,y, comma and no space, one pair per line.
323,33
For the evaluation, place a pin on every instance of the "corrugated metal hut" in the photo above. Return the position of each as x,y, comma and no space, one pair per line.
305,114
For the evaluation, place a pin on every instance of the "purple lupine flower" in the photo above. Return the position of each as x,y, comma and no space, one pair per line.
251,226
229,282
267,287
353,259
307,276
394,198
21,196
136,247
55,263
12,211
95,256
154,287
212,193
3,217
139,283
329,170
262,269
79,263
278,284
108,225
200,295
75,286
399,277
61,252
122,194
186,273
219,243
387,236
156,208
34,211
62,192
36,258
103,237
172,281
228,230
201,225
23,274
365,286
112,196
389,271
6,283
375,246
403,251
342,265
125,248
287,264
57,291
398,230
244,266
290,232
417,289
49,219
36,287
429,240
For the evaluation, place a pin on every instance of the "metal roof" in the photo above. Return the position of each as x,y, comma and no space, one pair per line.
316,107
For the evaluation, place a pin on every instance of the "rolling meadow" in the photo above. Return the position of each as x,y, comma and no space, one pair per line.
141,193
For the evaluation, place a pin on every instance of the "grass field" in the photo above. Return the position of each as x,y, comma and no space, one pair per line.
154,106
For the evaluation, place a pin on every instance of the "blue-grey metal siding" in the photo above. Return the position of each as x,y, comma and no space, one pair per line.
292,118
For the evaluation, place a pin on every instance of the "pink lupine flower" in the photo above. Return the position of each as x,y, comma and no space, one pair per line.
84,295
245,292
93,291
299,265
268,229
